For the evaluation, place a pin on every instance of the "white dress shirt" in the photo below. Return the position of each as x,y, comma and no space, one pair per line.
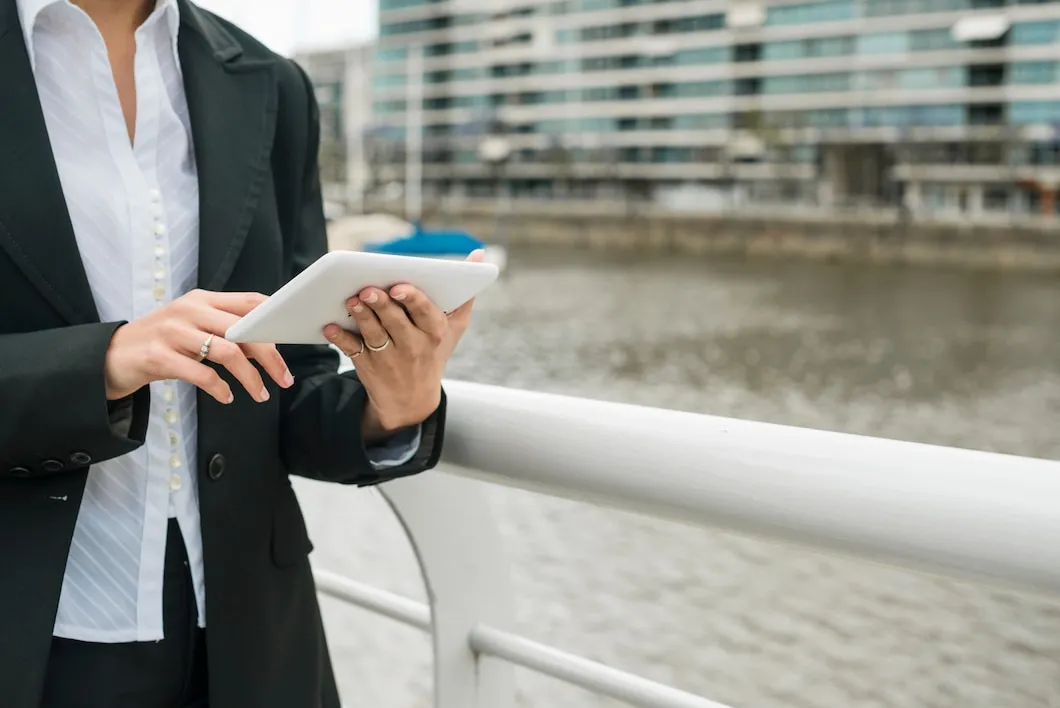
134,207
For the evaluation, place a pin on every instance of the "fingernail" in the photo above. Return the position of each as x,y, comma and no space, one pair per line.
288,378
264,395
372,297
231,397
400,295
358,308
331,331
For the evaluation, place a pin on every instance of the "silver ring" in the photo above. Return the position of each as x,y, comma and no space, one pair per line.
204,350
380,348
359,352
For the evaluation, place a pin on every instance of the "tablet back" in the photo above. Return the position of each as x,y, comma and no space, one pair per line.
298,312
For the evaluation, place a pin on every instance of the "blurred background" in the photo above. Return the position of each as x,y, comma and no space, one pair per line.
838,214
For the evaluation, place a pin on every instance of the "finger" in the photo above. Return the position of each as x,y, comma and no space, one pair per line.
392,316
460,318
235,303
217,322
184,368
272,361
372,330
348,343
230,356
427,316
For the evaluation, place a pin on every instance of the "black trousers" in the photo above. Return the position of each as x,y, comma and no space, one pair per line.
166,674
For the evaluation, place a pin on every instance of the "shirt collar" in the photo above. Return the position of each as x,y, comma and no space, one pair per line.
27,15
29,10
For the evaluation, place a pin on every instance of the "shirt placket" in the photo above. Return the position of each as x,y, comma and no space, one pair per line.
138,196
167,465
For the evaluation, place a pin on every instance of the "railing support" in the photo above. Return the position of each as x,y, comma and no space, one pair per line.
455,539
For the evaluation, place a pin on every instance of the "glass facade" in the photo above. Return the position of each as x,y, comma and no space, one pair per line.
666,83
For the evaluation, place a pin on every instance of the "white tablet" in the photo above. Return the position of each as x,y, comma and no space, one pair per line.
298,312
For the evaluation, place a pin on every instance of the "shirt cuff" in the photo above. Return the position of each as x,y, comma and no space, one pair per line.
121,416
397,450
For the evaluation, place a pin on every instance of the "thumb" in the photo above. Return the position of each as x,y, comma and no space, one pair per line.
477,256
462,315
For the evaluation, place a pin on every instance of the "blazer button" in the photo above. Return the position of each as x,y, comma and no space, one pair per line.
217,467
81,459
52,466
19,472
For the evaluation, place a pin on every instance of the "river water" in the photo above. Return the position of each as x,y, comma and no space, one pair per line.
962,359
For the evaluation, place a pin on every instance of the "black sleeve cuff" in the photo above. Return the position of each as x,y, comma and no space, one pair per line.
56,415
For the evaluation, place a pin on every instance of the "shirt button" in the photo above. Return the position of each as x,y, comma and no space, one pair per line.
175,483
171,416
160,251
80,458
160,292
174,440
160,229
167,393
160,274
156,196
174,462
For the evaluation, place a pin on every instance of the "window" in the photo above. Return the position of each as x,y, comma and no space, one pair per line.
1035,32
809,48
1024,112
887,43
1033,72
995,199
931,40
828,11
388,81
708,55
807,83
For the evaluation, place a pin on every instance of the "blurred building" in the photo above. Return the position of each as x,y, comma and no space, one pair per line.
342,78
940,105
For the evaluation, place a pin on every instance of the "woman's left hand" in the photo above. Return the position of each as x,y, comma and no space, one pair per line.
404,344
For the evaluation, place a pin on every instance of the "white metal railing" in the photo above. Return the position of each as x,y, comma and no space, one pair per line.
973,515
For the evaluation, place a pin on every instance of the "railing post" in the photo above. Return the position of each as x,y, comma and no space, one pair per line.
455,539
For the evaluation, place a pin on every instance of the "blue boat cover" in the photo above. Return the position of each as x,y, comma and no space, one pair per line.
424,242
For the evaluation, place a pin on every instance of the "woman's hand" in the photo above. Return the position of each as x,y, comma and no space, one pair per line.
404,344
167,344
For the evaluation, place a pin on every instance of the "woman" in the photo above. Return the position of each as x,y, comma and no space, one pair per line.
157,174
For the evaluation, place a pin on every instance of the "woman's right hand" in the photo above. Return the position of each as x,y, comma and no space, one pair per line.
166,345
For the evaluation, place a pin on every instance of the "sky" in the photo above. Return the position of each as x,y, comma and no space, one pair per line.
285,25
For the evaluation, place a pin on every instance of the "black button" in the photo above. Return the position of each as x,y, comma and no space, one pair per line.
19,472
217,467
52,466
80,458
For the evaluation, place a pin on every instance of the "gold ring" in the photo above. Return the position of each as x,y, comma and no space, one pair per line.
204,350
359,352
380,348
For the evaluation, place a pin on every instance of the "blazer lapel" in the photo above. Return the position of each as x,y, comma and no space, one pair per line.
232,103
35,229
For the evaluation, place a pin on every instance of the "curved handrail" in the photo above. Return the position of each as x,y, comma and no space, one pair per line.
962,513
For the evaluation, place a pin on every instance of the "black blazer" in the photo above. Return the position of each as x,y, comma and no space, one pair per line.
255,132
